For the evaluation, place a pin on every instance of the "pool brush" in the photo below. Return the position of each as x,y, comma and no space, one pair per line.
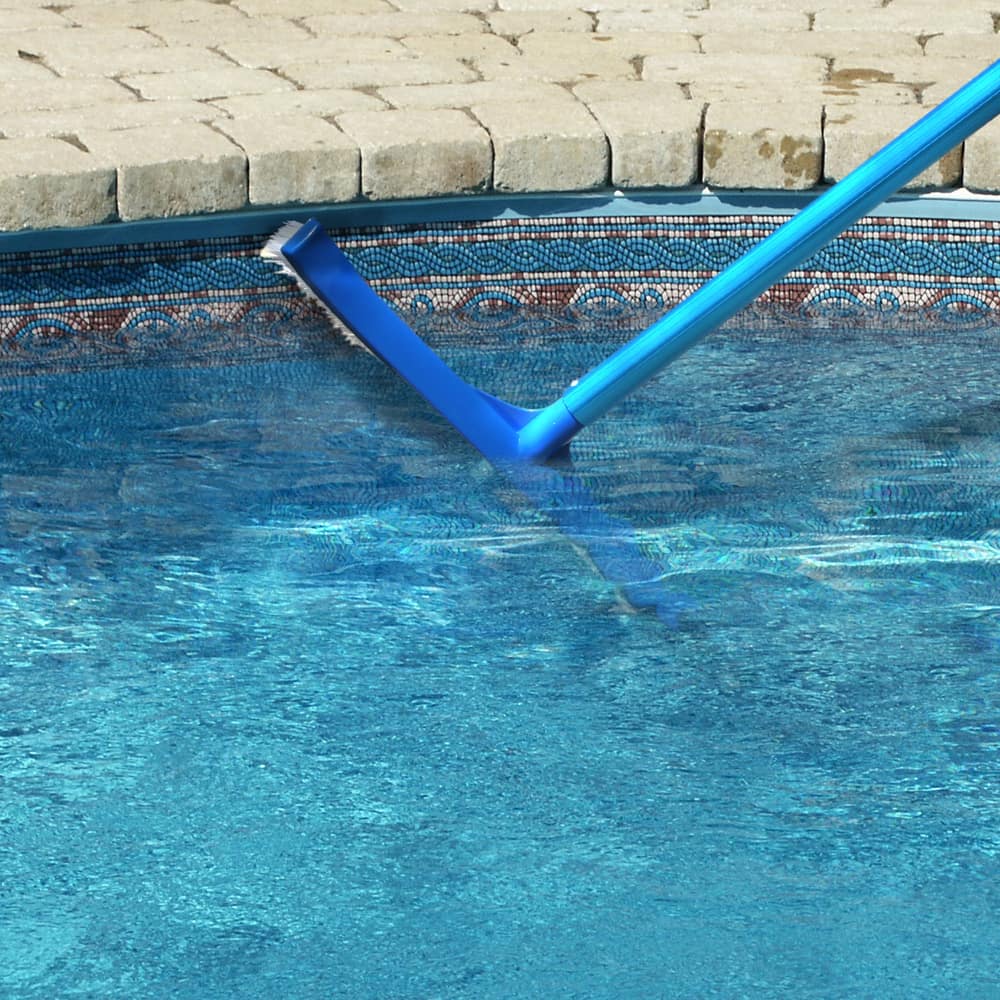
505,432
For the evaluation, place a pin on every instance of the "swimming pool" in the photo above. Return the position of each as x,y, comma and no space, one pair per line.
300,694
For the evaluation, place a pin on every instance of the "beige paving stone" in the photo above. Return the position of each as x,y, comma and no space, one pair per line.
393,72
172,170
204,85
320,103
936,94
531,6
309,8
563,66
142,13
868,93
467,95
981,169
515,23
828,44
419,154
105,117
545,147
653,144
480,46
49,44
122,62
919,72
949,18
273,30
442,6
650,18
20,18
267,54
648,93
23,71
761,75
46,183
853,135
809,6
297,158
965,71
54,94
982,49
591,49
776,147
395,25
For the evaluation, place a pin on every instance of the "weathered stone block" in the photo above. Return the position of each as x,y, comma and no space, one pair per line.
757,77
205,85
395,25
173,170
46,183
659,18
120,62
270,54
444,6
653,143
852,135
930,19
273,30
106,118
142,14
56,94
296,158
318,103
545,147
515,23
827,44
311,8
390,72
479,46
562,65
592,50
981,171
419,154
763,146
467,95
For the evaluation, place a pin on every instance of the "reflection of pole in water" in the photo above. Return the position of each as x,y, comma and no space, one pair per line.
608,542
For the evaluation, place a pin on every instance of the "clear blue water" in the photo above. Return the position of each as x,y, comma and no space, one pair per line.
300,697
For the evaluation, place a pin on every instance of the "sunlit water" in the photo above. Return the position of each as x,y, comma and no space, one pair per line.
300,697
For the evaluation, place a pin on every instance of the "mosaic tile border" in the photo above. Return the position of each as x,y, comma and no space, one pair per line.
217,296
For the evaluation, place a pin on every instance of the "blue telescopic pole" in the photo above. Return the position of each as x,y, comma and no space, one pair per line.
787,247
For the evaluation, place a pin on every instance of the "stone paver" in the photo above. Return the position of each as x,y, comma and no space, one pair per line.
50,180
982,159
467,95
419,154
545,147
210,105
763,146
852,135
296,159
653,144
171,170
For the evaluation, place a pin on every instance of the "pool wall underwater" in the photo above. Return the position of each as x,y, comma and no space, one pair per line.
198,288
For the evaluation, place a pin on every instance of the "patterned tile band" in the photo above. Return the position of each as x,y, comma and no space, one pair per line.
212,296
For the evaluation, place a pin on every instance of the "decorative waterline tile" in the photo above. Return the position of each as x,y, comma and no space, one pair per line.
219,298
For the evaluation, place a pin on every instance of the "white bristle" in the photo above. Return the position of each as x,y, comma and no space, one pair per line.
274,251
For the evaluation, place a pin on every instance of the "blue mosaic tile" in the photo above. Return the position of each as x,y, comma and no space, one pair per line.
198,296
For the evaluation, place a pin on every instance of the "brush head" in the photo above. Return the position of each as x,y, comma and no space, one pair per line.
274,251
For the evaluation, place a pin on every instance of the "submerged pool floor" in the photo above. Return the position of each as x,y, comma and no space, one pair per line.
298,695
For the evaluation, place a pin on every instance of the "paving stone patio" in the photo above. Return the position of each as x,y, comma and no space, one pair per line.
132,109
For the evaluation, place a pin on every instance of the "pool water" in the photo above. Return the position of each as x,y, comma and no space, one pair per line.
300,696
